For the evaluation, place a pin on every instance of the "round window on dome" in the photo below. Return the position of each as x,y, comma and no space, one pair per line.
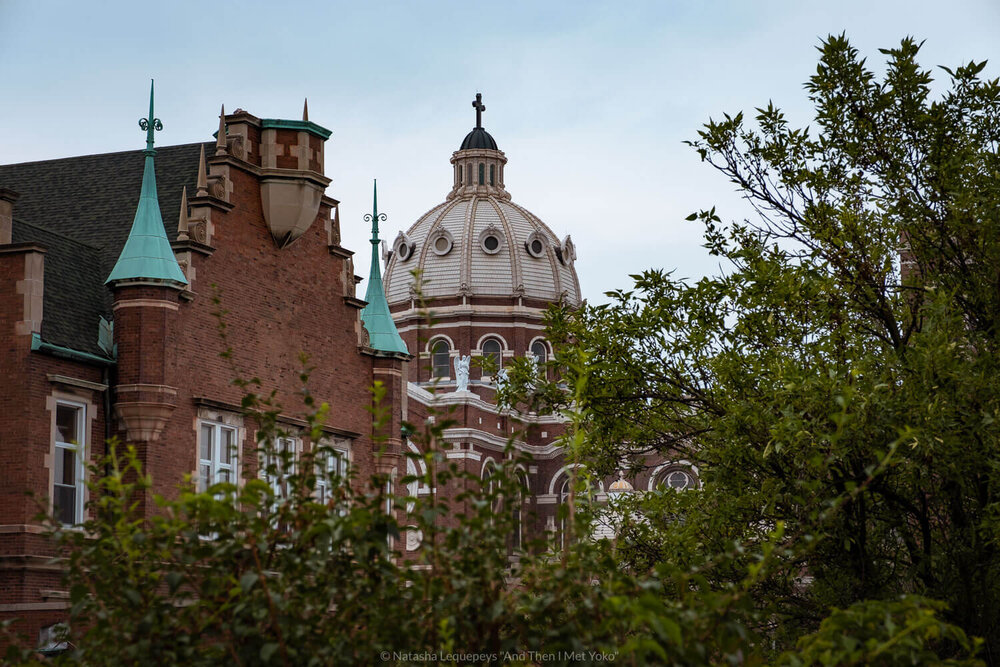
491,244
535,245
442,243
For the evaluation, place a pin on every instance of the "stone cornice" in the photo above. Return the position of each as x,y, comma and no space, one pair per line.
212,404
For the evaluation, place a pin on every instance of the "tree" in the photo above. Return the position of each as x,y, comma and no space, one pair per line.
842,377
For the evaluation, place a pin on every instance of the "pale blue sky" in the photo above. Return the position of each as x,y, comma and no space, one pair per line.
590,101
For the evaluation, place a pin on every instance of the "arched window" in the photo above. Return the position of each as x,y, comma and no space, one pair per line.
490,487
563,537
440,359
458,172
540,353
493,174
468,174
482,174
516,512
492,351
675,476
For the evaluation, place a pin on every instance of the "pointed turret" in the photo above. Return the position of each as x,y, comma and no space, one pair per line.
381,329
147,254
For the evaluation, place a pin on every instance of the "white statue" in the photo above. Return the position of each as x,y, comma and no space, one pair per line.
462,372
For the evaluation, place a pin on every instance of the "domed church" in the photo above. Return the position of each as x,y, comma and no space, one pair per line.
487,268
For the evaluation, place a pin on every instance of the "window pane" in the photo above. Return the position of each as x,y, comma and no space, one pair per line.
491,351
441,357
228,443
538,351
206,441
678,480
66,423
65,466
204,477
65,503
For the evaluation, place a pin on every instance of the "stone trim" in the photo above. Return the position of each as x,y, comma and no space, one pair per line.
140,303
34,606
219,407
76,382
22,528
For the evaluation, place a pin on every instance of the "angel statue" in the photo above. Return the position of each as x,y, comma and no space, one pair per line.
462,372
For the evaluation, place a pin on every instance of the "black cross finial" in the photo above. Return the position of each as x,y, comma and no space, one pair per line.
480,108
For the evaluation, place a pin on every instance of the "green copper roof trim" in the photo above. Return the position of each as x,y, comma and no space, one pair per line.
304,125
147,254
382,332
38,345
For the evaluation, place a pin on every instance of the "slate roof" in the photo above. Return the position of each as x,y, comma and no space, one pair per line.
81,209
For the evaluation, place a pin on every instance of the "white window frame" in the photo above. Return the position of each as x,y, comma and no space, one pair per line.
279,481
333,462
215,464
79,450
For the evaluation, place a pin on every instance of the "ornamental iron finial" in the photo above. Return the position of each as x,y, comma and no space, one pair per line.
150,123
480,108
375,216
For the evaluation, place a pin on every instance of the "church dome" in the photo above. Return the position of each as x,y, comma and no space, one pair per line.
479,243
478,138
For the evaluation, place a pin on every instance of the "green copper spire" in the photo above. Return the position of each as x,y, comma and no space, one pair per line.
147,254
381,329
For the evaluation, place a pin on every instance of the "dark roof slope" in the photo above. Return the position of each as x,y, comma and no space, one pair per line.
75,298
81,210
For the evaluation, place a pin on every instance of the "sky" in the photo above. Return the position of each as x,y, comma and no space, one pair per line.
590,101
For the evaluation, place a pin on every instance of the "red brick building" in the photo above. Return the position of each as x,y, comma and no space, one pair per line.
139,357
110,266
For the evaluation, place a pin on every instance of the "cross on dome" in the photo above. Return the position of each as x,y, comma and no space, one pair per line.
480,108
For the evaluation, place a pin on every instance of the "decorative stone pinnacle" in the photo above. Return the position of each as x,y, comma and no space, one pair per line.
150,123
480,108
202,174
220,138
182,220
305,109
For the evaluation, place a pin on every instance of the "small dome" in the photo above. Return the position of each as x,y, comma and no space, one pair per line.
478,138
620,485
